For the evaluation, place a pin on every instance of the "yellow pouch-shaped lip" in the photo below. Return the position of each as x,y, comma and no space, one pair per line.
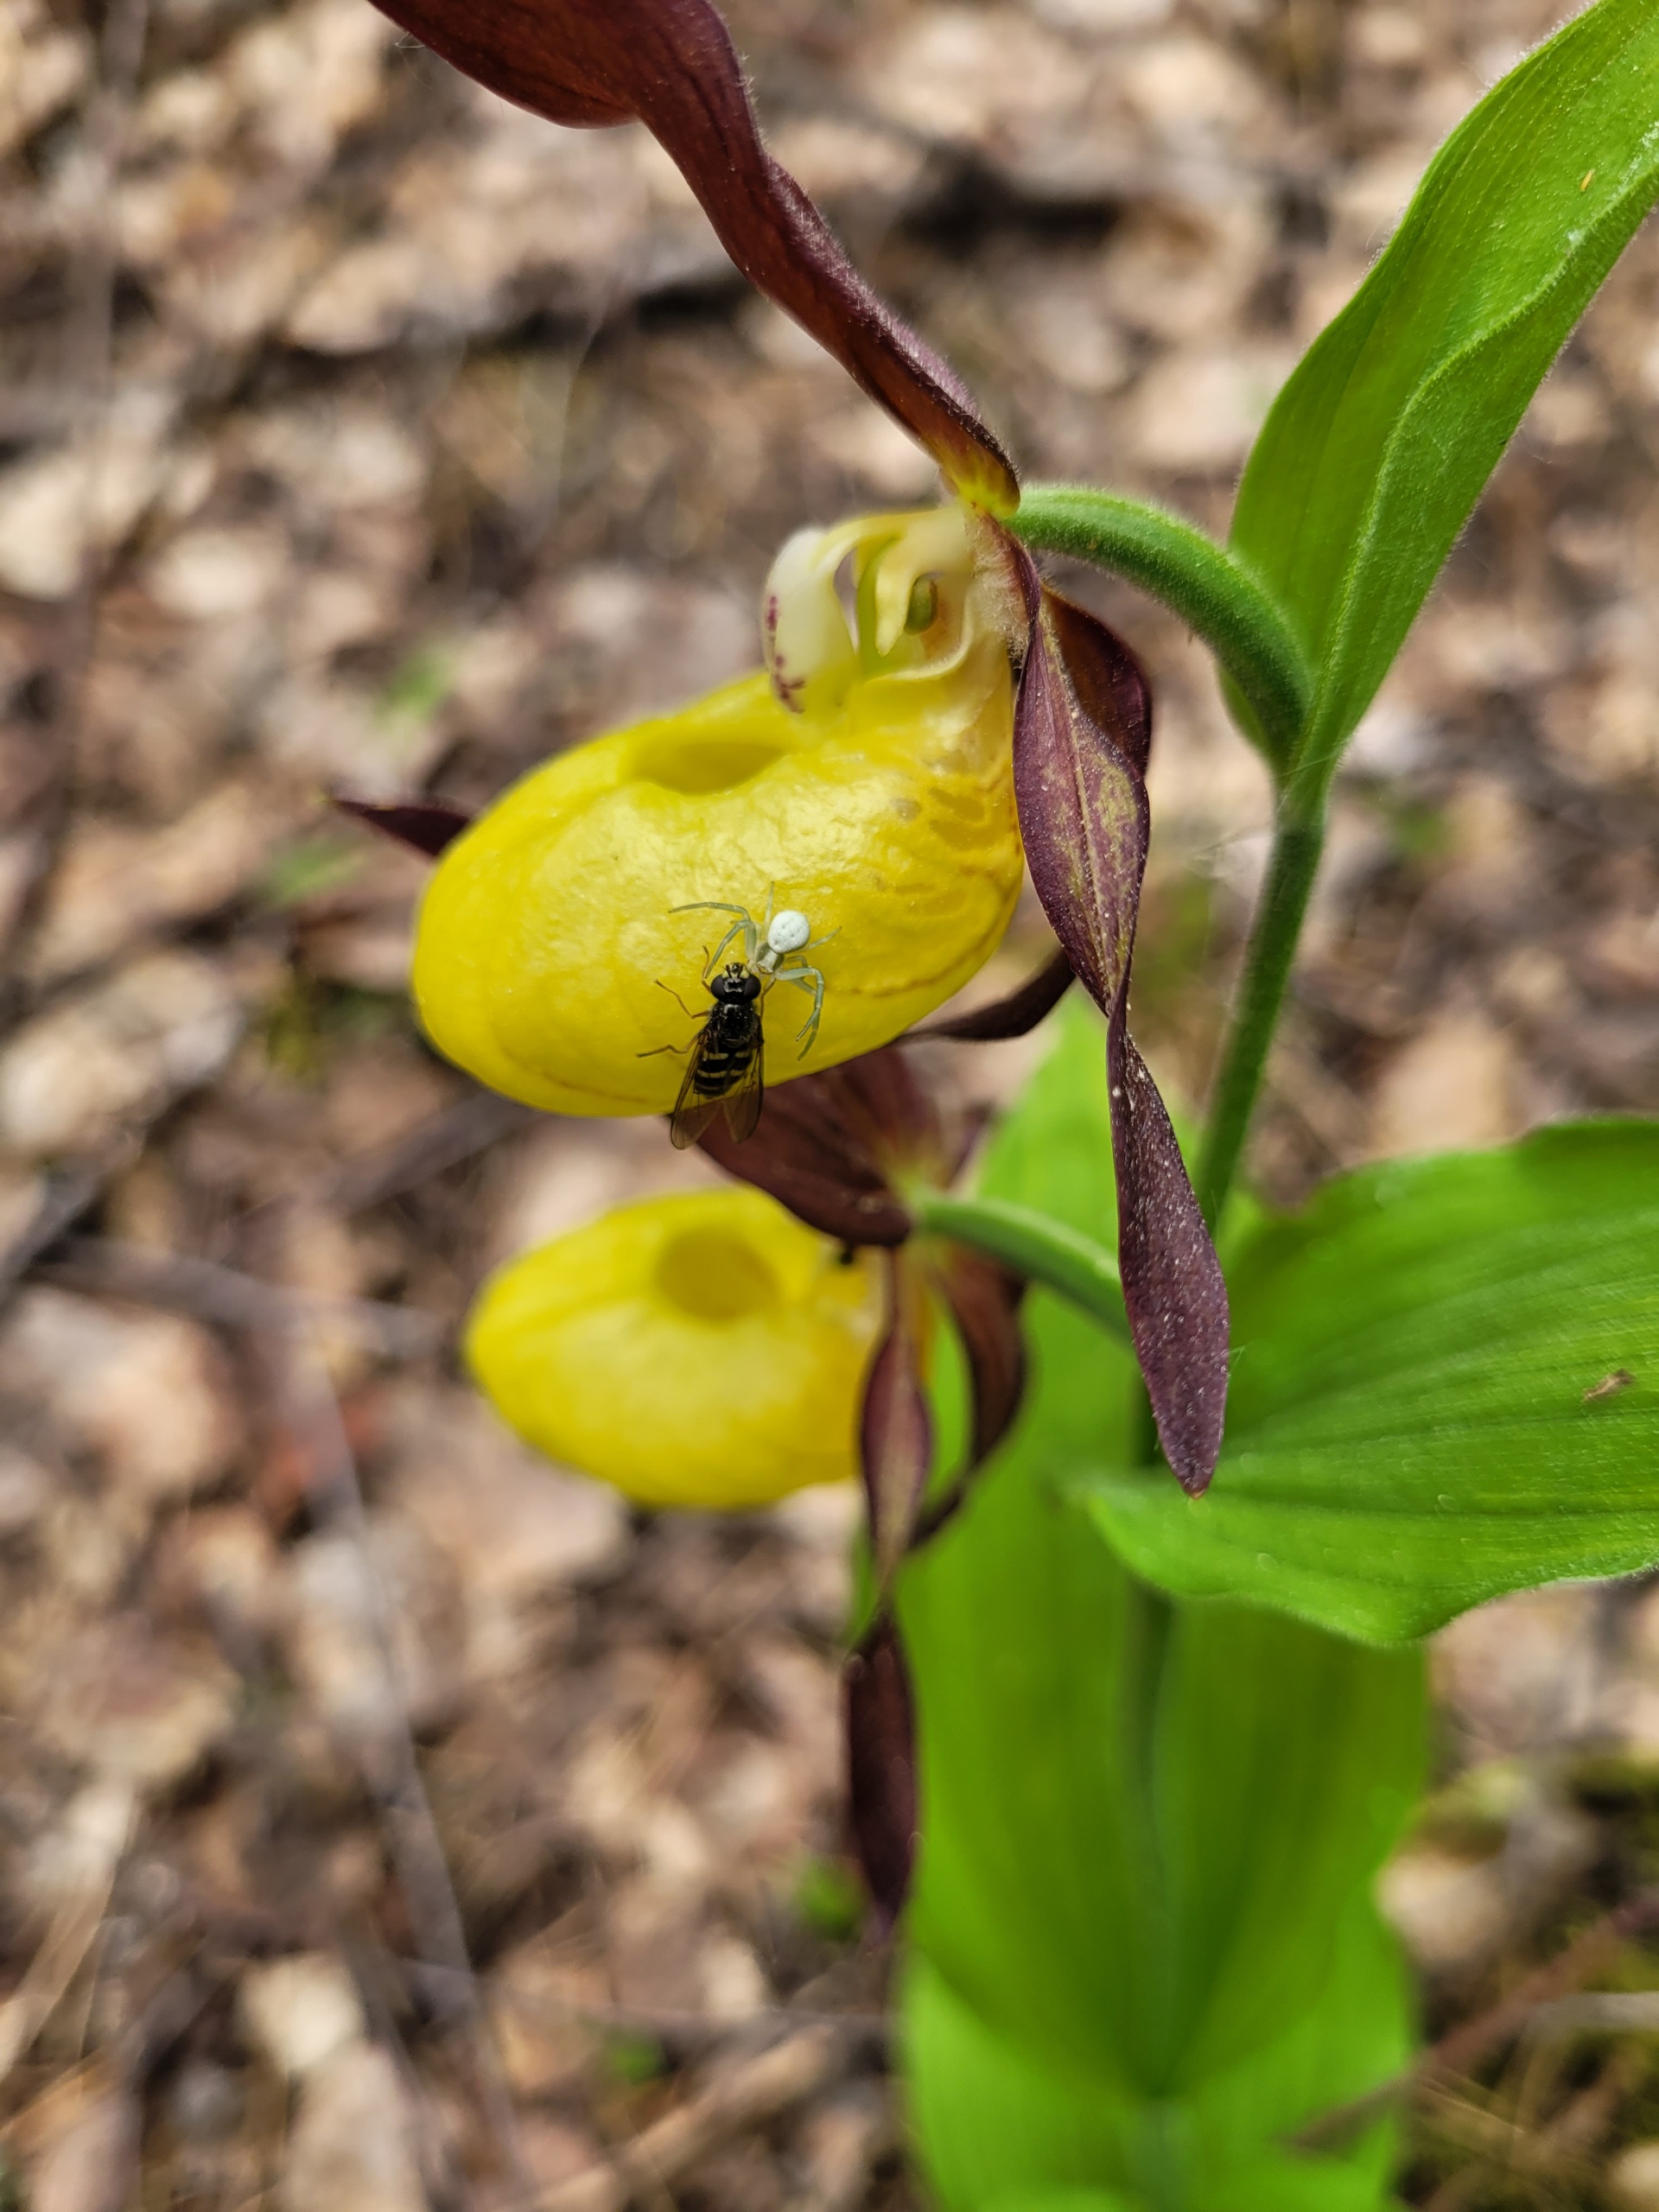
702,1351
549,958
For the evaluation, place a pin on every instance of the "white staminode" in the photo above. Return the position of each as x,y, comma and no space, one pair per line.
812,655
788,931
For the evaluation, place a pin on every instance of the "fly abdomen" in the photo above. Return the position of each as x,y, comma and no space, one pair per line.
725,1070
730,1040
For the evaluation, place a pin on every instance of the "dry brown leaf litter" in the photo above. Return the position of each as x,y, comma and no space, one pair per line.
358,429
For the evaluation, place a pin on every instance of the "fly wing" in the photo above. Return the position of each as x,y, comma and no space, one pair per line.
743,1101
692,1114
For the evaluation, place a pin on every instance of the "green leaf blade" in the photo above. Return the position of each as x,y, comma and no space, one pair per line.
1378,446
1447,1387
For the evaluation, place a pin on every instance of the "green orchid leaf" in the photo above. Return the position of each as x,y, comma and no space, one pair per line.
1068,2200
1445,1386
1001,2127
1005,2132
1142,1943
1378,446
1282,2183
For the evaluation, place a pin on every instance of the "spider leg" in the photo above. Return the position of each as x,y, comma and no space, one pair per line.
742,929
810,979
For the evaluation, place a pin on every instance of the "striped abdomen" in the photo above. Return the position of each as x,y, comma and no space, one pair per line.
731,1038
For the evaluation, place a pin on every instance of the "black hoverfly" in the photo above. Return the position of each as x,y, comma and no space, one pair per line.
728,1053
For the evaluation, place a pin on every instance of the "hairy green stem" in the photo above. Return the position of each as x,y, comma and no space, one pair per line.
1205,585
1044,1251
1298,843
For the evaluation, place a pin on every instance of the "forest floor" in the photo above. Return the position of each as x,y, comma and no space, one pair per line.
386,1820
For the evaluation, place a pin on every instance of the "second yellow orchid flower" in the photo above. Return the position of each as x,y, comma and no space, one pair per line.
734,1341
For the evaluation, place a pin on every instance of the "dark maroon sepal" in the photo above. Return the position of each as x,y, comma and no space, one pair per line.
1083,732
836,1149
1109,682
1173,1289
422,824
829,1145
984,1299
671,64
1016,1016
881,1768
895,1425
1081,796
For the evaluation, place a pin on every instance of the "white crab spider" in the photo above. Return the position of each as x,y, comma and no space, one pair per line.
767,946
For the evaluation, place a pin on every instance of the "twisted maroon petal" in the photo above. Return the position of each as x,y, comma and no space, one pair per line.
1016,1016
827,1145
1107,681
671,63
984,1300
881,1767
1082,733
1082,794
1172,1284
895,1428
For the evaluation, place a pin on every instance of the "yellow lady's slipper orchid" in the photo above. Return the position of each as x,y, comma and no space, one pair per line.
702,1351
866,784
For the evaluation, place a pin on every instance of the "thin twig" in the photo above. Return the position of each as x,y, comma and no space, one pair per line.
1616,2012
1502,2145
683,2030
314,1413
457,1134
1536,1998
841,2145
434,2152
63,1202
225,1296
1466,2044
106,1825
87,375
736,2098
